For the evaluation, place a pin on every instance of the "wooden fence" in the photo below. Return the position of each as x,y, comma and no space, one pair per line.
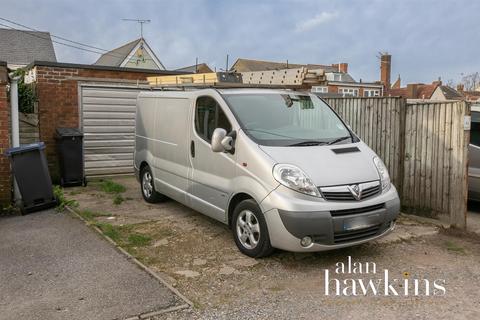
378,122
436,160
29,132
423,144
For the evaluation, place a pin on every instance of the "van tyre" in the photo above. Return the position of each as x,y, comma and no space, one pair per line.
250,230
148,187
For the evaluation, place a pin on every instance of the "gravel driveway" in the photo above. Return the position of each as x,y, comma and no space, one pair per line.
198,256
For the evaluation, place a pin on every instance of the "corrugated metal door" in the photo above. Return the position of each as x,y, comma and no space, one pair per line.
108,123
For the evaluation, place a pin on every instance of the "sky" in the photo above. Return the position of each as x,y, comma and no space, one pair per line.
426,38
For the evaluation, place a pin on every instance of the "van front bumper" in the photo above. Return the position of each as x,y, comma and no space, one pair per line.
327,223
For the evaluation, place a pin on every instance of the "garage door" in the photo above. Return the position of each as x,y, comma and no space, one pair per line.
108,123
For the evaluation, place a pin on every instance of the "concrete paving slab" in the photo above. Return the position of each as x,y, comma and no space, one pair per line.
52,266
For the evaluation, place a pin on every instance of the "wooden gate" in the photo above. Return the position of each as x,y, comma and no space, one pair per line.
436,160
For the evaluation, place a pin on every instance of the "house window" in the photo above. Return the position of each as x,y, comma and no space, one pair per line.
371,93
348,92
209,116
320,89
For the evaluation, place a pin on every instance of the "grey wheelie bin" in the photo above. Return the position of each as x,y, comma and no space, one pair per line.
30,169
70,153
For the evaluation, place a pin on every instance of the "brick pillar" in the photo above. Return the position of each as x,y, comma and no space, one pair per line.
5,176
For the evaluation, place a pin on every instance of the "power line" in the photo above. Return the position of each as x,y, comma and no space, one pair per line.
52,35
62,38
48,39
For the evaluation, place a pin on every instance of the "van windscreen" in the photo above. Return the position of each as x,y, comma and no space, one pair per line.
288,119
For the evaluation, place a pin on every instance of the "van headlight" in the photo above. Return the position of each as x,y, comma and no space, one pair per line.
383,173
294,178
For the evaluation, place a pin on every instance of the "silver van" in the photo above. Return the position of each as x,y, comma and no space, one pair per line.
474,155
279,167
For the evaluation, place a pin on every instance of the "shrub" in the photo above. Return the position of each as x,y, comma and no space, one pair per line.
110,186
26,95
62,202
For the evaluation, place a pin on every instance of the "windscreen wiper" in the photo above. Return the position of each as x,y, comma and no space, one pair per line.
339,139
307,143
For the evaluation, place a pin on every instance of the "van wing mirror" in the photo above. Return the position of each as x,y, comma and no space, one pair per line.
220,141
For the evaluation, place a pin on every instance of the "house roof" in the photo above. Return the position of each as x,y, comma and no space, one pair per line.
21,47
415,90
450,93
200,68
426,91
115,57
246,65
471,95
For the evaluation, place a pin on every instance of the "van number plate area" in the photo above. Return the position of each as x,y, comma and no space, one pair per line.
362,222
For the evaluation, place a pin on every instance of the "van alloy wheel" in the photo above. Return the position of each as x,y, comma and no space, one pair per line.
147,184
248,229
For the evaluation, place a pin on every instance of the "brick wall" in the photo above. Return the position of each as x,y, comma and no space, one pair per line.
5,176
57,91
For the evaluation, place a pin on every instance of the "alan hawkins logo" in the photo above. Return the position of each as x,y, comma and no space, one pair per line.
353,278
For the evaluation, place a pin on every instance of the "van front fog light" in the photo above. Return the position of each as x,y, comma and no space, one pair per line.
306,241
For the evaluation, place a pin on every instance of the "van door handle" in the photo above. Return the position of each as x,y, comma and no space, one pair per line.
192,149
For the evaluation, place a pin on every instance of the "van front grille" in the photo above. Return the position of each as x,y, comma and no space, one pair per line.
347,212
355,235
342,193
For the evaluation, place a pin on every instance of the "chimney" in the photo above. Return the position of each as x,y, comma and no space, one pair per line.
341,67
460,87
412,90
385,69
438,82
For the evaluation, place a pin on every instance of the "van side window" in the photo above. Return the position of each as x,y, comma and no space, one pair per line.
209,116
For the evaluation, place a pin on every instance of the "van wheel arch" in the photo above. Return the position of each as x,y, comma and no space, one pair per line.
143,165
239,197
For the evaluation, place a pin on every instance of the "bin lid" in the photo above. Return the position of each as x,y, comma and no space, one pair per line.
69,132
25,148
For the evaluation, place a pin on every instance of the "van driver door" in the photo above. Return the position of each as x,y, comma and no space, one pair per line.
211,173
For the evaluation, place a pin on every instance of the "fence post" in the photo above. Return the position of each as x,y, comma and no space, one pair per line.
402,138
458,208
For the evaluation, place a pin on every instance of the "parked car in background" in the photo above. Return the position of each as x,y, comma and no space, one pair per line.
279,167
474,155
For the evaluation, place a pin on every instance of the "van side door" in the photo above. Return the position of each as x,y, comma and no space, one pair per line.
172,163
211,173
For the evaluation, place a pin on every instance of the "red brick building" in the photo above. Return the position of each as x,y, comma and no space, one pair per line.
5,179
57,89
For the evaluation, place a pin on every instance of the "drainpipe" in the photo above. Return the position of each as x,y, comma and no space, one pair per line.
15,126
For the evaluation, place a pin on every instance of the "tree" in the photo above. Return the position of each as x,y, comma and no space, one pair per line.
450,83
26,94
471,81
